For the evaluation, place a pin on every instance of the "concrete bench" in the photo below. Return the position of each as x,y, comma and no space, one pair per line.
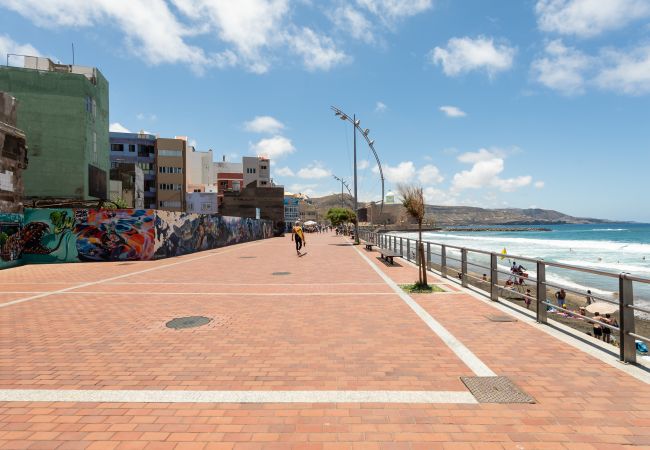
388,255
368,245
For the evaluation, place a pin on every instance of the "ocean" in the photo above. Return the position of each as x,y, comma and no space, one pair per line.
611,247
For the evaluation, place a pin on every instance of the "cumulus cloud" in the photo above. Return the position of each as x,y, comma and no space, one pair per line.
264,124
381,107
390,10
588,18
404,172
273,147
453,111
628,73
539,184
351,20
562,68
430,174
251,32
314,171
465,54
117,127
284,172
363,164
317,51
484,173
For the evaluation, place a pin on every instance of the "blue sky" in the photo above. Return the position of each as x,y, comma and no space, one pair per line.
528,103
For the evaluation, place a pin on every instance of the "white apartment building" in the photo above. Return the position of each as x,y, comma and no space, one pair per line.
200,172
257,169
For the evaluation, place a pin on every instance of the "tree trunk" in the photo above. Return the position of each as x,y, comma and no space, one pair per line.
423,264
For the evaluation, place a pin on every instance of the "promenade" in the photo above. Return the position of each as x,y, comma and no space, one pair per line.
318,352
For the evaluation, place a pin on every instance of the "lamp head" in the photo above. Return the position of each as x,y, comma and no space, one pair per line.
366,131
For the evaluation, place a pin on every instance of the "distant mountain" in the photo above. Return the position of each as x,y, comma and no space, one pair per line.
462,215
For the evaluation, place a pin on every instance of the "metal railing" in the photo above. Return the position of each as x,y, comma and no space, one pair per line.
625,293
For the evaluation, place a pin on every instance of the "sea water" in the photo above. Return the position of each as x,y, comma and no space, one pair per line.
611,247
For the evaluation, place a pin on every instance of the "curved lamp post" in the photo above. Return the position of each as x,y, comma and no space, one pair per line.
347,186
356,126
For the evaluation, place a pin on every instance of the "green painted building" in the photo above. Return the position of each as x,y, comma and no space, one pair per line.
64,114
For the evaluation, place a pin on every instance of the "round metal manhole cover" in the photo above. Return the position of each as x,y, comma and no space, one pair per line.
180,323
281,273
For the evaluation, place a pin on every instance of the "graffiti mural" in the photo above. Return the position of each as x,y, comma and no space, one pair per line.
116,235
182,233
79,235
10,239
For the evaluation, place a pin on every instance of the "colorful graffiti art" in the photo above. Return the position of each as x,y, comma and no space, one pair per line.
10,239
180,233
115,235
73,235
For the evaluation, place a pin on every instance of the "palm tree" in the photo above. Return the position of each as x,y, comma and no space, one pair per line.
413,202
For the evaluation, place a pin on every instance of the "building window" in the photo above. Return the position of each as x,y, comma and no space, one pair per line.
263,183
117,147
206,206
132,148
172,153
263,167
223,184
170,204
250,170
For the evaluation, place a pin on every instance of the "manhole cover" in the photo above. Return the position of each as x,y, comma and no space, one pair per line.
281,273
496,390
126,264
501,318
247,257
180,323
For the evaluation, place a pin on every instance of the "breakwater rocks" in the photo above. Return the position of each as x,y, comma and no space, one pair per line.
497,229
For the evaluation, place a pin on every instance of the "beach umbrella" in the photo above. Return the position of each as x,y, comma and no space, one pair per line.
310,223
602,308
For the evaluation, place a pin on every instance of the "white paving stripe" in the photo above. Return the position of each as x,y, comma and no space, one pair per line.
248,294
150,396
151,269
470,359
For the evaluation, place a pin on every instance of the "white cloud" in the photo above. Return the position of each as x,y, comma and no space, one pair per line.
149,117
404,172
626,72
317,51
539,184
453,111
274,147
117,127
430,174
465,54
563,68
390,10
312,171
381,107
363,164
8,45
264,124
251,33
351,20
284,172
588,18
484,173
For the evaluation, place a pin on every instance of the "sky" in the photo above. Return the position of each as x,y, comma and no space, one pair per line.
498,104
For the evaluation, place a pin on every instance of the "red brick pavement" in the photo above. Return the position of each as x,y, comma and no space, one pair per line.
111,335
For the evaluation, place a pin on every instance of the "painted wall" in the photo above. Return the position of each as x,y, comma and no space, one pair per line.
79,235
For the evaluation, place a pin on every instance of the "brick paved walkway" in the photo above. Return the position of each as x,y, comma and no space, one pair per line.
330,324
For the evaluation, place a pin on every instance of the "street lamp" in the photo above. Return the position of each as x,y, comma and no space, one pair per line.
356,126
343,183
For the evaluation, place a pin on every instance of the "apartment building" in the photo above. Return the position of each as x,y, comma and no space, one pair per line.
257,169
138,149
171,174
228,176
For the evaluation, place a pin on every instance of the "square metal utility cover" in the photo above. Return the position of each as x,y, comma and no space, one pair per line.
496,390
497,318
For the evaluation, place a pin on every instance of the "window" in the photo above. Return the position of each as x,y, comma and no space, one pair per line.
117,147
262,167
250,170
263,183
169,187
170,204
164,169
132,148
172,153
223,184
206,206
197,190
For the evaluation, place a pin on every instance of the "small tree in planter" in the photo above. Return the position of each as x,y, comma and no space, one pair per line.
413,202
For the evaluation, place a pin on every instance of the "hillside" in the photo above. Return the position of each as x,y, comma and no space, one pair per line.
464,215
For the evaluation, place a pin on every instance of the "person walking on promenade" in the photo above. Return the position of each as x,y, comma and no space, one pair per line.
298,236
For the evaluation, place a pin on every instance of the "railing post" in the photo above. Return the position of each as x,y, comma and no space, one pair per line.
494,278
443,261
428,256
401,246
463,266
541,292
626,316
408,249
